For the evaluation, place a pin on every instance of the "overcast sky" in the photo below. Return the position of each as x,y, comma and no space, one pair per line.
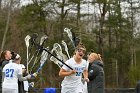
86,8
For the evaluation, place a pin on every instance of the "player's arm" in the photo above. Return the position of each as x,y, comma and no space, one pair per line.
21,78
24,78
85,74
63,72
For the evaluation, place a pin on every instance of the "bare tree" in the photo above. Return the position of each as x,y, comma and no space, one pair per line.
103,11
7,24
0,4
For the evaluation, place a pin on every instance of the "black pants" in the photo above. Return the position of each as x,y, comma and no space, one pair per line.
21,87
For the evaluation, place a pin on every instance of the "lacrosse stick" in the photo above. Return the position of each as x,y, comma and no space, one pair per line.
55,49
56,45
69,33
27,38
58,50
42,40
66,48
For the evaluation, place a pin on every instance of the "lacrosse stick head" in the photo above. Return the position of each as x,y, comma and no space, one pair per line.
70,35
66,48
65,45
76,41
44,56
64,58
57,48
27,38
67,30
33,38
56,61
43,39
61,56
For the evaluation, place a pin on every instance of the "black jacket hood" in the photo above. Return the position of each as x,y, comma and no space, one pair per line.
98,62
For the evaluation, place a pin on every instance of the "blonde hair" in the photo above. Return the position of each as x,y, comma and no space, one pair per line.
96,56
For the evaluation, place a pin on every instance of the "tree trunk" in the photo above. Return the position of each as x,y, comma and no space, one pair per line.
0,4
7,25
103,13
62,16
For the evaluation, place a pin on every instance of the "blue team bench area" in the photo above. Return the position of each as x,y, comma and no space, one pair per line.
44,90
107,90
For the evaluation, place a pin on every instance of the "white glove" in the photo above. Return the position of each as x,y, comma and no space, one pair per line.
32,84
34,74
31,75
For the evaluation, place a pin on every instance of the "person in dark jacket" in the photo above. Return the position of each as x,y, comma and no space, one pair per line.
4,59
95,74
138,87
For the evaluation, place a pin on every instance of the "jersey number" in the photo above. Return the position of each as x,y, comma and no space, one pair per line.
78,73
9,72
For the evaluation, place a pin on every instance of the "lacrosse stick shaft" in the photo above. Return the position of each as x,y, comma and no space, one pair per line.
44,57
27,60
39,68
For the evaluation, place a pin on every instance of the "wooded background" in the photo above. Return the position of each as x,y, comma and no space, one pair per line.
109,27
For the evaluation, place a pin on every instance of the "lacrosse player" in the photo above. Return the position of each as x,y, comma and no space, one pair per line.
72,78
10,75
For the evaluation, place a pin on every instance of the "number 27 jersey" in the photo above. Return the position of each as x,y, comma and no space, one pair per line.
11,70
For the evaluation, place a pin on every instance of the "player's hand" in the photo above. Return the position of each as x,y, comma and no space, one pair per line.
86,79
34,74
73,71
29,76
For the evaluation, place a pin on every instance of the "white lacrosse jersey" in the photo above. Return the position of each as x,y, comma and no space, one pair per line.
11,70
73,83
